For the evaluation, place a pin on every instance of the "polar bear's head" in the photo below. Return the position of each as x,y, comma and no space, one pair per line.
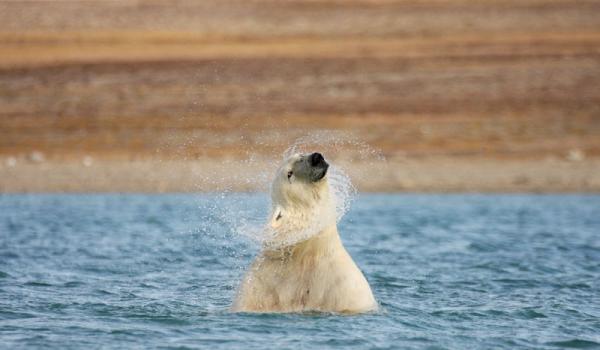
300,193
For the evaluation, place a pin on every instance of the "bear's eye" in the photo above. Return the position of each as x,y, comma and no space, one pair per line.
290,173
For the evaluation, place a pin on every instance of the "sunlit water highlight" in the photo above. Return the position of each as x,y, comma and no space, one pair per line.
159,271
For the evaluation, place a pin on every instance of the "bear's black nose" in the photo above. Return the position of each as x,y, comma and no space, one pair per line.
316,159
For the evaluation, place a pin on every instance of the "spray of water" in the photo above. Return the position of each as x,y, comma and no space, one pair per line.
252,224
337,146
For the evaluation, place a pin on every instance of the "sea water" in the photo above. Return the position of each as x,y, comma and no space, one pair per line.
160,271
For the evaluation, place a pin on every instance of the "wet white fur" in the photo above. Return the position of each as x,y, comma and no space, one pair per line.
292,274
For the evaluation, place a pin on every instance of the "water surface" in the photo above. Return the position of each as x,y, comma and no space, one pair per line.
159,271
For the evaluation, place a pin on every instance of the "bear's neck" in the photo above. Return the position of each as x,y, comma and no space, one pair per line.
326,242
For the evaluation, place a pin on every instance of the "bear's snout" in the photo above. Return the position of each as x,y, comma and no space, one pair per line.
316,159
318,166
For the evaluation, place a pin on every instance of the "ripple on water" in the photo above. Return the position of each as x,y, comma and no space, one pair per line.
576,344
10,315
529,314
37,284
73,284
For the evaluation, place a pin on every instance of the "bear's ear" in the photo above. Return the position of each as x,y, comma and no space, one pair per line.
276,217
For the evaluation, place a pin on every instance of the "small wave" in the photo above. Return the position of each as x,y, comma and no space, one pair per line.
530,314
10,315
517,283
9,255
73,284
56,306
161,319
104,292
576,344
37,284
578,286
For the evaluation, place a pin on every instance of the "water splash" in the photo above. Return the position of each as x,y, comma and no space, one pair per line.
341,190
250,222
246,217
337,146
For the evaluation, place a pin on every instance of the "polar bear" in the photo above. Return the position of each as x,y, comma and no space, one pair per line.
303,265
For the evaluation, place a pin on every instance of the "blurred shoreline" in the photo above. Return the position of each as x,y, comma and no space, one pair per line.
159,96
216,175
